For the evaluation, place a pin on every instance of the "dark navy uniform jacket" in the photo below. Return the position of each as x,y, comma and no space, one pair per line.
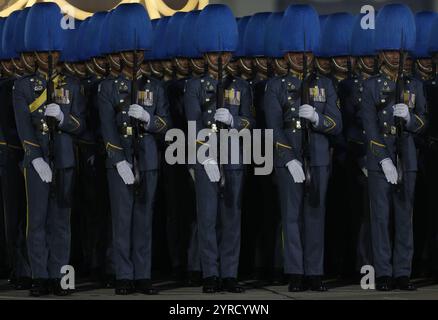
282,102
377,114
117,126
7,119
92,133
29,98
431,92
350,97
200,106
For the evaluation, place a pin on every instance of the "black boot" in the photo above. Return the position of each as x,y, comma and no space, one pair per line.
194,279
384,284
405,284
55,285
210,285
316,284
145,286
40,287
124,287
23,283
296,283
231,285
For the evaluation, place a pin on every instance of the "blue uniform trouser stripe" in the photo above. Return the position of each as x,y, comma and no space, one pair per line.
48,238
383,199
303,226
132,226
219,223
14,201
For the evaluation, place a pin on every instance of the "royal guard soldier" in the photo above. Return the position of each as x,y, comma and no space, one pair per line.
303,115
14,195
393,111
133,110
214,101
49,111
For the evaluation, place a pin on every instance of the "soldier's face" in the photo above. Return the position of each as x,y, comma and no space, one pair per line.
167,66
246,65
128,57
295,60
146,68
80,69
198,65
261,64
425,64
280,66
7,67
390,58
156,68
18,66
114,60
409,63
323,65
42,59
233,68
100,65
182,65
213,59
28,60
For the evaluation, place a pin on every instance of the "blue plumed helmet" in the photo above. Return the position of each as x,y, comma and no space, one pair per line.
148,55
159,51
300,29
273,35
217,29
172,35
395,28
80,45
362,40
336,35
8,39
20,30
187,40
43,30
70,52
2,25
433,40
93,30
104,37
322,20
254,40
423,21
242,23
130,28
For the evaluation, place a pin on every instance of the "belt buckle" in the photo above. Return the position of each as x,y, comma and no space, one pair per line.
129,131
298,124
44,128
393,130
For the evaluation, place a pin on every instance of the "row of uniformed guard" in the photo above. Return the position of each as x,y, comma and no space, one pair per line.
84,113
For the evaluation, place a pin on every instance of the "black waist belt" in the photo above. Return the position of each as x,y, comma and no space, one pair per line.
294,124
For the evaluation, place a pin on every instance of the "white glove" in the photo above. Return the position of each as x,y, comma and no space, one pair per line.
389,170
365,171
223,115
212,169
125,172
54,110
296,170
43,169
136,111
308,112
402,111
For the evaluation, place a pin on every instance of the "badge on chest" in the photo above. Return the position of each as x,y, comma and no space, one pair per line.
146,98
62,96
232,97
409,99
317,94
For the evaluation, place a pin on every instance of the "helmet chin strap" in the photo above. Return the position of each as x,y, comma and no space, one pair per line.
385,59
339,67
